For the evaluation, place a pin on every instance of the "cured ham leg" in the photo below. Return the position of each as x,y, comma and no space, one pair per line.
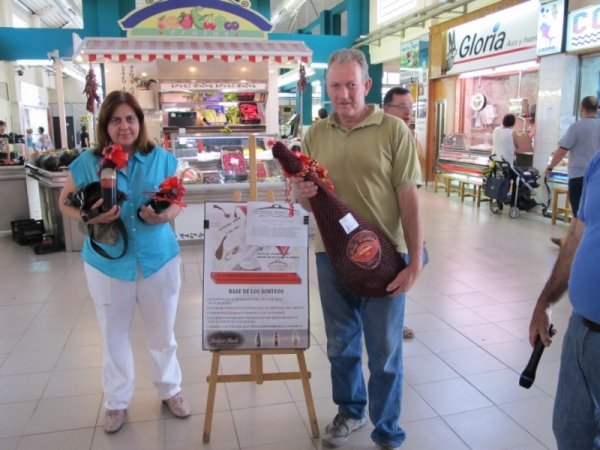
363,257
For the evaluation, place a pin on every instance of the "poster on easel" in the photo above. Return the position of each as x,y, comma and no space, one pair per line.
255,276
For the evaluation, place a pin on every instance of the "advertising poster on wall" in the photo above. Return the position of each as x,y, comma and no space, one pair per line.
255,276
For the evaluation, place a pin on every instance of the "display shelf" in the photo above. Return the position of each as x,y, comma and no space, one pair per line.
234,130
462,153
224,158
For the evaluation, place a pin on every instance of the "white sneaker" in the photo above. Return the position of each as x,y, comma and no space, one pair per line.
338,431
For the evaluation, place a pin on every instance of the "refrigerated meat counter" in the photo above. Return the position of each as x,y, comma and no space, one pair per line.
64,230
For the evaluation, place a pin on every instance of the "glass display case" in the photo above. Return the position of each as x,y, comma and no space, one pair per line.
463,153
223,159
222,166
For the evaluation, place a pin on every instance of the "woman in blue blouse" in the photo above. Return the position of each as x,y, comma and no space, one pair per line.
147,275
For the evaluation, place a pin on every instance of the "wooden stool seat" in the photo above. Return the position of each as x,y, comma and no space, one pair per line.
441,182
473,187
463,185
452,184
566,211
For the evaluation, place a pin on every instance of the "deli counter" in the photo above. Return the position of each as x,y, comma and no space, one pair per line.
50,183
15,205
463,153
221,167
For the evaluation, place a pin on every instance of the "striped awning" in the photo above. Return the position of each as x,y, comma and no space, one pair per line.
202,50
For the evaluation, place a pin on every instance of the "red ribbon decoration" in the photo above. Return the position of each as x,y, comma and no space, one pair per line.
309,165
171,190
114,156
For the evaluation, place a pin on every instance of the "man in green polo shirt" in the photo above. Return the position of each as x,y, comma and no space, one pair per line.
372,161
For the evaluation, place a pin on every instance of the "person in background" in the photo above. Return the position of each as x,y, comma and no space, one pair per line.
84,137
29,138
372,160
322,113
575,418
580,142
3,127
147,276
398,102
503,140
44,142
4,141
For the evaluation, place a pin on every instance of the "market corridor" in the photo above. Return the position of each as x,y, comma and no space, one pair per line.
470,311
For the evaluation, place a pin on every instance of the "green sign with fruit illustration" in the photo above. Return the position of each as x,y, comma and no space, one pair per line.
197,18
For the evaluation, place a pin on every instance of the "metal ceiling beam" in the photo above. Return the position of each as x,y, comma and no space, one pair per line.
412,20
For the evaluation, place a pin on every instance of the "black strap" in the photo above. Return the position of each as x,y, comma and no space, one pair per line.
122,231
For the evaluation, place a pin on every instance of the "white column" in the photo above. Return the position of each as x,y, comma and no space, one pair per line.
5,14
557,100
272,106
60,98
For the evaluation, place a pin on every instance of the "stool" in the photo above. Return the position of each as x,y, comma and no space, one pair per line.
567,212
472,187
440,182
452,184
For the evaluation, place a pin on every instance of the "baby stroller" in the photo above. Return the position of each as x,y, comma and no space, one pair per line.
505,184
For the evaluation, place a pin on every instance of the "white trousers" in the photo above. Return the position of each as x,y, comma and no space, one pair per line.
115,301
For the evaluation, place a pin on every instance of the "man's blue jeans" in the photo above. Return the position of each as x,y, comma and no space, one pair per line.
576,410
347,317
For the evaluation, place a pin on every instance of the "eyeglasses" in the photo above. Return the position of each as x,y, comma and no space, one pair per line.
399,106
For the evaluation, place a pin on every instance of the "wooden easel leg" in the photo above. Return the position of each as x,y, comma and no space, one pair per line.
212,391
258,376
310,406
258,365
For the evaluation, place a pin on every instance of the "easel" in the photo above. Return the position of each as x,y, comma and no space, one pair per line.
257,374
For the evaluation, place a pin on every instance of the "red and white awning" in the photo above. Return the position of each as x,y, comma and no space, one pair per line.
202,50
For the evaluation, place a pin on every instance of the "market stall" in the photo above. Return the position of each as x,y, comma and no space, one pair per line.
205,89
489,69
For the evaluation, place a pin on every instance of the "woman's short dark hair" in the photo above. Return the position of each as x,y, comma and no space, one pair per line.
509,120
107,109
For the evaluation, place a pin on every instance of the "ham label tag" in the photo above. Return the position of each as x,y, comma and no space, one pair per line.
348,223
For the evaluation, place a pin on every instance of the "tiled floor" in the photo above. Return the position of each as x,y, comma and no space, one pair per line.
470,310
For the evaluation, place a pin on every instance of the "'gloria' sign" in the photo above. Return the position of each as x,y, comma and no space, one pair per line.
506,37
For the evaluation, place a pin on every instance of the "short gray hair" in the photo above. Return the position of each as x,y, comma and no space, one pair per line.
348,55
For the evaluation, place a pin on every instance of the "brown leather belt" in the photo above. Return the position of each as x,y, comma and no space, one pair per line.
592,326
